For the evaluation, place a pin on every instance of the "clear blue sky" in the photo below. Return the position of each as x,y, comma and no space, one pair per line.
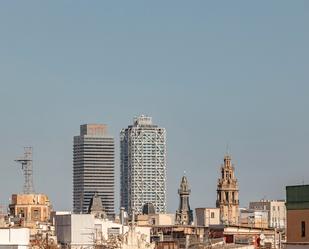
210,72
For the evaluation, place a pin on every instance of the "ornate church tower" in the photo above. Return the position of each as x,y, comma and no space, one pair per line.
227,194
184,215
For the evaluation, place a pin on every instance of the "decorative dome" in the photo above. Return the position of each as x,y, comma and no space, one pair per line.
149,208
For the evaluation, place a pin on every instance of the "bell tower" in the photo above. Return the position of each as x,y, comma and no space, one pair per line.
184,215
227,193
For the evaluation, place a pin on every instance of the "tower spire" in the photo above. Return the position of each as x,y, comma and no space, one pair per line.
184,215
228,150
227,193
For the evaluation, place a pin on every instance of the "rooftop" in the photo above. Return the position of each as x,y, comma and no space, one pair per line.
297,197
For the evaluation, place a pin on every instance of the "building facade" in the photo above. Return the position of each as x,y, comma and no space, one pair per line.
184,215
93,168
78,231
227,194
207,216
31,208
276,211
155,219
253,218
143,165
15,238
297,205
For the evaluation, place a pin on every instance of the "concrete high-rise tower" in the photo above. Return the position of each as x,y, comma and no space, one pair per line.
227,194
93,168
184,215
143,165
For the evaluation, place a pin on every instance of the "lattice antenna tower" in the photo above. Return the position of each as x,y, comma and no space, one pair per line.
26,165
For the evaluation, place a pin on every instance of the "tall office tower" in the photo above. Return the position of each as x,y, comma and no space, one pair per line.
143,165
227,194
93,168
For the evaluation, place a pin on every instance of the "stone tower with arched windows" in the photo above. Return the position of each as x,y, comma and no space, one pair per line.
227,194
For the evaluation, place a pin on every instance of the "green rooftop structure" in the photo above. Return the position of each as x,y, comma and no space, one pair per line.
297,197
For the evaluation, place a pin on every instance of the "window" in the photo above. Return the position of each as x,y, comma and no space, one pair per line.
303,229
212,215
113,231
22,213
35,214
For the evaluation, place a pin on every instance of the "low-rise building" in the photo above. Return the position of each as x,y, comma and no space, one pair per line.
155,219
216,236
264,237
253,218
297,216
75,230
30,208
182,236
14,238
84,230
276,211
33,212
207,216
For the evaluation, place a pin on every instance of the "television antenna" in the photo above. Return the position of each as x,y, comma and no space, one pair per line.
26,166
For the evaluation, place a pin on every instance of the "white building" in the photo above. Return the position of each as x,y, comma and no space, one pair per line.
14,238
276,212
207,216
253,218
84,230
143,165
75,230
93,168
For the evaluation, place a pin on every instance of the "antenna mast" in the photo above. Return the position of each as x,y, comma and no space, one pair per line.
26,165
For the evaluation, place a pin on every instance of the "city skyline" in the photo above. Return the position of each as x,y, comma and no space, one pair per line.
211,74
117,174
